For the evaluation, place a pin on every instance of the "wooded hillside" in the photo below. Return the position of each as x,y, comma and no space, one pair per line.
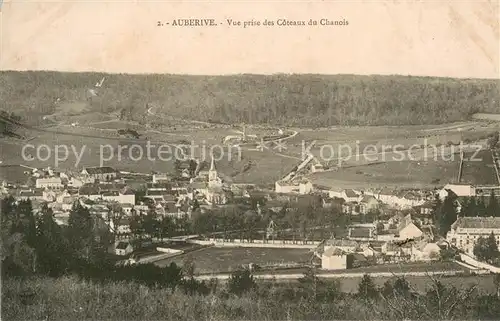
300,100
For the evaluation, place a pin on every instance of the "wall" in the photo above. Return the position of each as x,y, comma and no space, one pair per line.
167,250
334,262
481,265
151,259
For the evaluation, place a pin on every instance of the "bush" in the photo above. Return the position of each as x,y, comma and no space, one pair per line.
241,281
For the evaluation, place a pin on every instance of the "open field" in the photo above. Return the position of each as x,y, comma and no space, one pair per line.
409,174
479,169
259,167
14,174
408,134
97,128
483,116
382,144
212,260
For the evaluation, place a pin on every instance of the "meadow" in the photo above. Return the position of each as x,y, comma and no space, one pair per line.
217,260
397,174
480,169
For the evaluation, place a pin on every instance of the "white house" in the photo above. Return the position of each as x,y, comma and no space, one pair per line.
349,195
216,196
367,204
335,192
120,227
160,178
402,199
466,231
78,182
397,251
318,167
305,187
127,208
425,251
116,196
459,190
348,246
49,195
286,187
334,259
101,173
407,230
49,182
31,195
123,248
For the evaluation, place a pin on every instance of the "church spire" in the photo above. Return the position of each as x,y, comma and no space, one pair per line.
212,164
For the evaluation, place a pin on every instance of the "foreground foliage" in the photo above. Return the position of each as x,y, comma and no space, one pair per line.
70,298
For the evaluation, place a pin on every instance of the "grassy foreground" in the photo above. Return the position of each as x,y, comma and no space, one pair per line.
69,298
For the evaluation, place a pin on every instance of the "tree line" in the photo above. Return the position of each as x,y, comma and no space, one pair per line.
445,212
246,219
298,100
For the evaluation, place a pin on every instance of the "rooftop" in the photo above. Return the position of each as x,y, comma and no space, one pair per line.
341,242
100,170
121,245
333,251
360,232
368,198
350,193
477,222
405,222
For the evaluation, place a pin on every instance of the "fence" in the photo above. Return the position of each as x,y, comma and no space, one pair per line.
279,244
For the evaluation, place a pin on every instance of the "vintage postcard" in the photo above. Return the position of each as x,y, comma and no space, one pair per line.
250,160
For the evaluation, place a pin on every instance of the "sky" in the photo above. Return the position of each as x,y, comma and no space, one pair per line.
408,37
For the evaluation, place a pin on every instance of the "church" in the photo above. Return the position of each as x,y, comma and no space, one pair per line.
209,184
215,193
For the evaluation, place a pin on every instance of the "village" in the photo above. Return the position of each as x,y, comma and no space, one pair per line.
357,228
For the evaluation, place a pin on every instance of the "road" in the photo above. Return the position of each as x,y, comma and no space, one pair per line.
293,134
150,112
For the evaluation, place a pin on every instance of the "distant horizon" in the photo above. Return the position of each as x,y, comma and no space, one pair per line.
241,74
445,39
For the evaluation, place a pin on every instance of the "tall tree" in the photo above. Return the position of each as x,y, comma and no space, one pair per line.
80,230
436,208
26,222
486,249
18,258
493,208
446,215
493,140
115,214
53,254
188,267
481,205
367,288
469,208
241,281
166,227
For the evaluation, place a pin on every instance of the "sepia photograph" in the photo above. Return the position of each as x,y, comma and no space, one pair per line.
233,160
